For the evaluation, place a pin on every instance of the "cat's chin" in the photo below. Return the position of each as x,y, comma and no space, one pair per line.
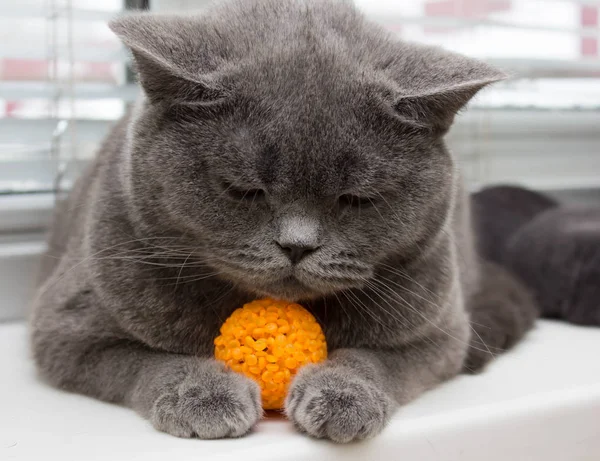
294,289
295,283
290,289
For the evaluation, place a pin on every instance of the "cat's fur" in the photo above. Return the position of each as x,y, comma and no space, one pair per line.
157,244
554,249
499,212
557,255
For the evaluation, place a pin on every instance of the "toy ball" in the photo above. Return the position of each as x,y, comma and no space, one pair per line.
269,341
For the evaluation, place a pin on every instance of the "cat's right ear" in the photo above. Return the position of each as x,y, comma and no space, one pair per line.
433,84
169,58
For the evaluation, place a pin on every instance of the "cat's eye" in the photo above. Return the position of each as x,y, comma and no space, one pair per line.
240,194
354,201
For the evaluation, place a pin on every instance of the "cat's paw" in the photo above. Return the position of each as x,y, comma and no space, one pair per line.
336,404
209,402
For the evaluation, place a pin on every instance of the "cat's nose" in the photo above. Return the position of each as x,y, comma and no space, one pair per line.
298,236
296,252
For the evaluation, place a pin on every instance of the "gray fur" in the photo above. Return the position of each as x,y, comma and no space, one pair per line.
558,255
499,212
262,122
553,249
502,311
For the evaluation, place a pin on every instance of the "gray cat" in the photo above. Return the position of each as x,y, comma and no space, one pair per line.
554,249
283,148
557,254
499,212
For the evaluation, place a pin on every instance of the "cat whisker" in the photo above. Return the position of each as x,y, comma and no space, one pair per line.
380,293
404,275
432,303
389,206
380,307
482,342
424,317
183,277
341,304
136,255
181,269
133,259
192,279
358,309
68,271
378,212
211,305
383,295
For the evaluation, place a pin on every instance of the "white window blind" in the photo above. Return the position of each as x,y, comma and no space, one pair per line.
63,81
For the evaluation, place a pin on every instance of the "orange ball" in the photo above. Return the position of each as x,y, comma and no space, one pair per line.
269,341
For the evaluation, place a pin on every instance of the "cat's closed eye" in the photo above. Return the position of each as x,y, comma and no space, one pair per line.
354,201
242,194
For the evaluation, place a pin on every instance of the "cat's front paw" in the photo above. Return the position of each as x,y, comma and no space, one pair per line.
209,402
334,403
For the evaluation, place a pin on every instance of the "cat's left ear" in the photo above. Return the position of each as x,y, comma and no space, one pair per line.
173,57
434,84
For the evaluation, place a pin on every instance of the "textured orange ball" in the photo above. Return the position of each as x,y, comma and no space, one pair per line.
269,341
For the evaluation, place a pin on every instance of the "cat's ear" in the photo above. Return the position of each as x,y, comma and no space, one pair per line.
434,84
171,60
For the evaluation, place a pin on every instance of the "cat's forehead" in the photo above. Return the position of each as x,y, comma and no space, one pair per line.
314,157
303,77
309,124
307,99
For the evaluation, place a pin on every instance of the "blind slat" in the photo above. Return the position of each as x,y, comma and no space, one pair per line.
39,131
14,10
544,68
463,22
11,90
81,53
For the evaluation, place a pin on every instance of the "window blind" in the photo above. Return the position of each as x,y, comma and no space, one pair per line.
63,82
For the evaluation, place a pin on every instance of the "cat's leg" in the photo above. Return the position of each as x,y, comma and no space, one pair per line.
355,392
502,311
182,395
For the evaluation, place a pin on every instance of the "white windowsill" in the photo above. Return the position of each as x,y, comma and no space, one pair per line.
540,402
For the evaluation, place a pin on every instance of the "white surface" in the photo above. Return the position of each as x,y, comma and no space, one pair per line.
540,402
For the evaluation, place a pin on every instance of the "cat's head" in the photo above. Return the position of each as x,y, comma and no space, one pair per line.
299,143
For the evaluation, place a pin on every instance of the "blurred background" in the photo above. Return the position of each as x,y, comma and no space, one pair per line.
65,78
